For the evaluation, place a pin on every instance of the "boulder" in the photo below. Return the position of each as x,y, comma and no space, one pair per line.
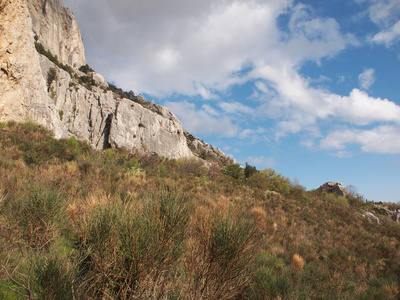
334,188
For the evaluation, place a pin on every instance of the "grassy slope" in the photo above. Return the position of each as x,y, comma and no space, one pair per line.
83,224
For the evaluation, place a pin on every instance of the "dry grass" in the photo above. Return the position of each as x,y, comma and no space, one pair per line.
176,230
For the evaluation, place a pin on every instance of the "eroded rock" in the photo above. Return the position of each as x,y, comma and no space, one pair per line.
334,188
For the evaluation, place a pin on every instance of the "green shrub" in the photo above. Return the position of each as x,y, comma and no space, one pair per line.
221,255
268,179
249,170
39,214
54,279
272,278
85,69
234,171
51,76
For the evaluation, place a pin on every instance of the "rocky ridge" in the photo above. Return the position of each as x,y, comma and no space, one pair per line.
47,84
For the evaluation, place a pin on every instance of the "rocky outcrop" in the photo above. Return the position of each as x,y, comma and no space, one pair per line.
133,126
50,90
106,120
208,152
334,188
55,27
371,217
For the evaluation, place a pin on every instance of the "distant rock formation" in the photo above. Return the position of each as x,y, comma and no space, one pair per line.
47,87
334,188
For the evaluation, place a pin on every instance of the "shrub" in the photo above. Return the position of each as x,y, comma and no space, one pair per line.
234,171
297,262
268,179
221,254
272,278
249,170
54,279
85,69
38,214
51,76
192,166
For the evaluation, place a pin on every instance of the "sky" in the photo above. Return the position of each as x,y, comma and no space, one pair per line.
310,88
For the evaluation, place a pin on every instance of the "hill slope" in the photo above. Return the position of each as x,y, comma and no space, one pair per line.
76,223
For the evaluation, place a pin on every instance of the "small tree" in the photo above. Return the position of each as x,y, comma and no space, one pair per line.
249,170
51,76
235,171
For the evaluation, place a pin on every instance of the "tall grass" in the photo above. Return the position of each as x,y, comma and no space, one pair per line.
82,224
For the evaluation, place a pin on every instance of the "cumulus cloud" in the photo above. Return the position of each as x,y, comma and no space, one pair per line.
388,36
203,121
382,139
203,48
385,14
366,79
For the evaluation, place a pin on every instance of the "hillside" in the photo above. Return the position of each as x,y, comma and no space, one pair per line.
78,223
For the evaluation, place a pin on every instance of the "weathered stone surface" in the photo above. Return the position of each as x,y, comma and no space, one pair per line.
134,126
23,90
99,79
56,29
334,188
372,217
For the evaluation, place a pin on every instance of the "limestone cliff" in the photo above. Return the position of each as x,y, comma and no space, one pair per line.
23,91
49,88
55,27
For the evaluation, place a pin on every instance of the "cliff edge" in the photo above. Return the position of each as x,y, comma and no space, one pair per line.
44,78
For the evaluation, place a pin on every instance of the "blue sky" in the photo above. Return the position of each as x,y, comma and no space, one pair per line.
309,88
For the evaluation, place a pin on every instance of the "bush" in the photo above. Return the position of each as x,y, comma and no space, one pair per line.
268,179
249,171
51,76
54,279
272,278
39,214
221,254
85,69
234,171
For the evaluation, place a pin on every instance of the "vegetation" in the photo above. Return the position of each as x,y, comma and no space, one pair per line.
53,58
76,223
86,69
123,94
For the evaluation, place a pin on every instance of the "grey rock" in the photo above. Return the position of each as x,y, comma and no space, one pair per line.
334,188
56,29
100,81
372,217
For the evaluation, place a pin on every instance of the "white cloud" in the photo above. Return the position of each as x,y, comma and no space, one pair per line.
200,47
385,14
366,79
360,109
382,139
200,121
342,154
388,36
235,108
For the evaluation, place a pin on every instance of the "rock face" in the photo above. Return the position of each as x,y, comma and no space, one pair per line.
55,27
335,188
68,101
23,91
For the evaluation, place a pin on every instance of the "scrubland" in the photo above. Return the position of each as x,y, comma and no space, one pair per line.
76,223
